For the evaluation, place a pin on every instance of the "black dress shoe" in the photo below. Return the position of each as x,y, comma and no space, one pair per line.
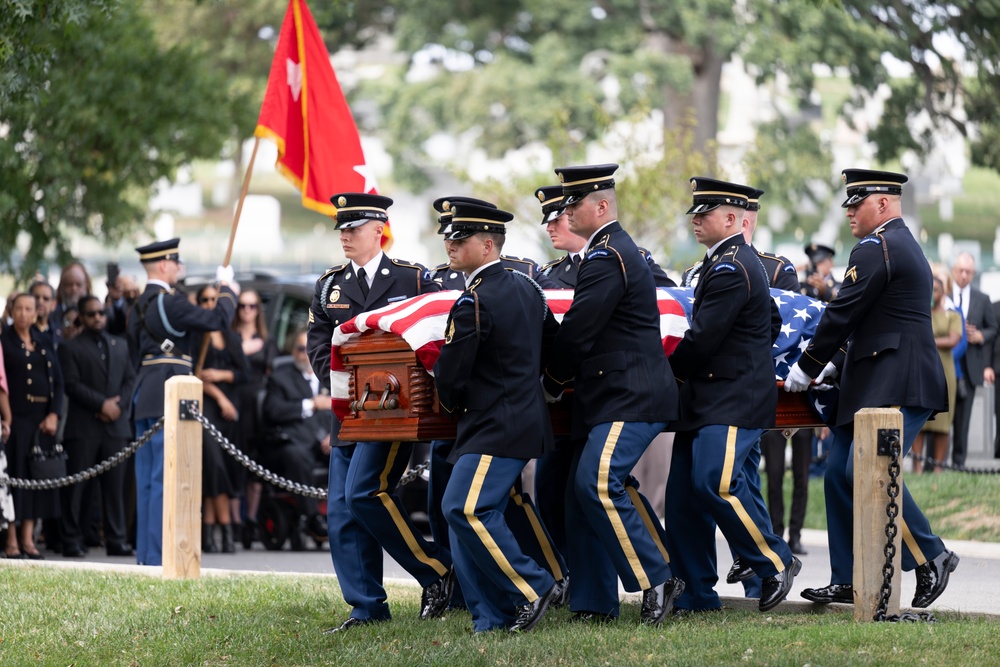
932,578
120,549
435,598
843,593
739,572
351,622
34,556
594,617
73,551
774,589
527,615
795,544
658,601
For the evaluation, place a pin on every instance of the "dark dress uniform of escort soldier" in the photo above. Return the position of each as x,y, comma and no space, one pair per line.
160,325
521,514
563,271
884,309
99,377
609,345
364,514
728,397
487,375
820,283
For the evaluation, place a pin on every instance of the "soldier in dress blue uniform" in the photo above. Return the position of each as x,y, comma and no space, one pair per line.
728,398
160,325
609,345
820,283
521,515
364,514
884,309
563,271
487,375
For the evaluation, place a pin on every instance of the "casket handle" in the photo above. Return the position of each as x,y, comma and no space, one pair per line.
386,401
359,405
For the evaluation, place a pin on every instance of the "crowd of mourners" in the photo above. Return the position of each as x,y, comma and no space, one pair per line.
67,379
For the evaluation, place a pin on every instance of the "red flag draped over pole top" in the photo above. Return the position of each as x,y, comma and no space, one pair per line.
305,113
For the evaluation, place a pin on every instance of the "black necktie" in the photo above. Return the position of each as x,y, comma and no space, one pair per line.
960,301
575,259
363,282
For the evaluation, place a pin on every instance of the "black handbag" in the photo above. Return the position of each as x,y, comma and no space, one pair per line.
47,459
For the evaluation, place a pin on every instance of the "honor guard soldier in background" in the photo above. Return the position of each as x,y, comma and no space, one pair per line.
364,514
563,271
728,397
820,283
883,308
521,514
487,376
160,325
609,345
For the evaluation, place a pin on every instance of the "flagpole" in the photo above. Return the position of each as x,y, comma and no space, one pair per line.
232,239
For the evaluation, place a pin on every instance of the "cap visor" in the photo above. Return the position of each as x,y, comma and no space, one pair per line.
854,199
702,208
552,215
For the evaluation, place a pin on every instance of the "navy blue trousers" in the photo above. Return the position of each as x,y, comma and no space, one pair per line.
495,573
919,543
711,482
149,496
606,507
357,555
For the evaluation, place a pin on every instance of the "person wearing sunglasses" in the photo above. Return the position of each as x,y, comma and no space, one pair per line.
99,377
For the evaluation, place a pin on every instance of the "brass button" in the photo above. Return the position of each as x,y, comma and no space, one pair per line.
600,372
874,354
29,380
29,367
711,375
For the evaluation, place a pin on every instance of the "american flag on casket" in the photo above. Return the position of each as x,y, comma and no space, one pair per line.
421,321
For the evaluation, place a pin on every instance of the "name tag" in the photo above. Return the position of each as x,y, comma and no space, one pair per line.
396,298
338,305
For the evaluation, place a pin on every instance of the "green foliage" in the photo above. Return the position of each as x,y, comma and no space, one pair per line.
114,113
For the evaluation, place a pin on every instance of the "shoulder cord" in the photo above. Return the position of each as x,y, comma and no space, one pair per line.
538,288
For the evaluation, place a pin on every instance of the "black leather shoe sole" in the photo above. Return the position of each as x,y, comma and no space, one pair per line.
949,565
677,587
738,572
786,586
543,605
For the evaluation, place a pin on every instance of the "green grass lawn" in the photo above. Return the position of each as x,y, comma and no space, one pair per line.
79,617
960,506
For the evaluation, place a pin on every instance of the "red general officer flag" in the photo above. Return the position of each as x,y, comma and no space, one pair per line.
305,113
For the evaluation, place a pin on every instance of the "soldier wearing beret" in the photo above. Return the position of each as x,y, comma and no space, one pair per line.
883,308
609,346
521,514
364,514
487,376
160,325
728,398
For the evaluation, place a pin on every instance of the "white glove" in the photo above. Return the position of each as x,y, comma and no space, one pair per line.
829,372
224,274
549,398
797,379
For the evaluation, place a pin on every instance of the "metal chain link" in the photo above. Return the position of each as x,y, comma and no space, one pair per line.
273,478
83,475
928,461
892,512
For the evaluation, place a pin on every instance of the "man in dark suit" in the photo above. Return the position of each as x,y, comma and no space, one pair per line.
160,327
980,330
297,415
487,375
364,514
996,390
728,398
99,377
609,345
883,309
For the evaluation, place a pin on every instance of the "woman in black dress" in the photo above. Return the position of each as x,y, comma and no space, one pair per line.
224,369
36,395
260,351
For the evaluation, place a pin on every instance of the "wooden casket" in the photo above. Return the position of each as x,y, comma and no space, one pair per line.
392,397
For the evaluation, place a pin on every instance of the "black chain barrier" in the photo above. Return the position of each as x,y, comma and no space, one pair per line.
944,465
892,512
83,475
274,478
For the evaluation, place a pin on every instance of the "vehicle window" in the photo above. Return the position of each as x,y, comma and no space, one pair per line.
293,314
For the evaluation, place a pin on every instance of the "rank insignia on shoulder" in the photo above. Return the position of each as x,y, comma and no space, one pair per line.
870,239
427,275
598,253
852,273
723,265
451,332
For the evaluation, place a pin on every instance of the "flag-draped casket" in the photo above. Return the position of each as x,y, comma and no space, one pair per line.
381,363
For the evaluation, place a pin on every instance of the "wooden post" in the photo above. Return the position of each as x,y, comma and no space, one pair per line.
181,480
871,483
